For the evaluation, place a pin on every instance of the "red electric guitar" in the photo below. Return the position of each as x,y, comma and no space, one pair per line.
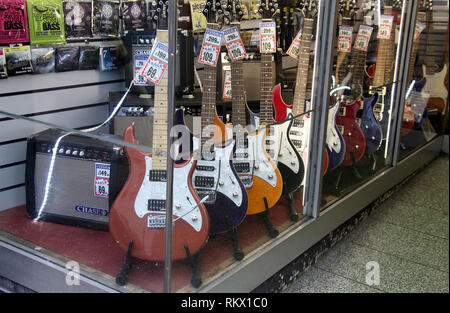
138,214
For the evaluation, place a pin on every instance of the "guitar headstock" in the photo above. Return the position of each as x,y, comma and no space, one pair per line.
268,8
234,10
160,15
308,8
348,8
213,11
426,5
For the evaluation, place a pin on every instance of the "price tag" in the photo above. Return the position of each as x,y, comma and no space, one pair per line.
234,44
418,30
139,63
101,187
227,86
157,63
363,38
294,49
345,39
212,41
267,37
385,28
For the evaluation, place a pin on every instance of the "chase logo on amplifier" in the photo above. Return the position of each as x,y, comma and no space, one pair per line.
90,210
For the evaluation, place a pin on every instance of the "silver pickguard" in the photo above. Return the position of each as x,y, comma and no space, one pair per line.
184,204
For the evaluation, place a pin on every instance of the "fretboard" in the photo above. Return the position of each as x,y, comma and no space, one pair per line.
266,85
385,56
209,96
159,144
430,62
357,65
415,48
342,58
237,91
298,105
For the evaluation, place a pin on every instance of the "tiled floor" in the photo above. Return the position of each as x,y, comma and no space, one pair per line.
407,236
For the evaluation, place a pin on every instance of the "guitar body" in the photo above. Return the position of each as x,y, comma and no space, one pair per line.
408,120
334,140
138,213
218,179
435,85
382,106
370,126
282,151
355,143
297,133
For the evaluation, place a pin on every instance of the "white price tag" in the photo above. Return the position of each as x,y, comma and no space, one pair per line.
234,44
101,187
212,41
294,49
267,37
139,63
345,39
363,38
227,86
157,63
418,30
385,28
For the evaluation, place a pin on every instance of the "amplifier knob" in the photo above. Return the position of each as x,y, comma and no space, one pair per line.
81,154
61,150
68,151
75,152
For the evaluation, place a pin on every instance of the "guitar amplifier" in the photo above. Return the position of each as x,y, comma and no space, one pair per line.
73,179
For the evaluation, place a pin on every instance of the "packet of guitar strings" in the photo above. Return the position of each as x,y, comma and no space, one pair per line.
3,72
18,60
43,60
13,21
67,59
89,57
108,58
105,18
78,18
134,15
46,21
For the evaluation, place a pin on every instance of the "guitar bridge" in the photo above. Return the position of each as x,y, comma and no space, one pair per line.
380,90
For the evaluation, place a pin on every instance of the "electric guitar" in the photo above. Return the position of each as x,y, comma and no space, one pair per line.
215,175
138,215
278,143
299,132
258,172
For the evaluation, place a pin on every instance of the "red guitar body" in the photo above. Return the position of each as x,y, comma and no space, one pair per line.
281,112
149,242
355,143
408,119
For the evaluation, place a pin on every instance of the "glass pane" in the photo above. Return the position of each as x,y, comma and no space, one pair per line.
359,118
425,104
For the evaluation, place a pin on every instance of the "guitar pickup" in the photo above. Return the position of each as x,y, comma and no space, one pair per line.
340,128
157,175
156,205
378,107
241,155
242,167
380,90
358,121
242,143
202,181
297,143
299,123
342,111
205,168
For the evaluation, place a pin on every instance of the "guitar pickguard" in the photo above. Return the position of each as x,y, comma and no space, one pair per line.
152,196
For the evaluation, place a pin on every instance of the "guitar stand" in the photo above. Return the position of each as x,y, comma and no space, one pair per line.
196,279
354,169
122,277
341,172
292,207
402,145
273,232
372,157
238,254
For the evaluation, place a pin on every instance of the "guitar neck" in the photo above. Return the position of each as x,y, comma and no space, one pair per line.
357,65
237,91
385,56
298,106
429,58
159,144
209,96
342,57
415,48
266,81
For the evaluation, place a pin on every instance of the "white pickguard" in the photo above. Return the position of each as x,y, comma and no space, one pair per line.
434,86
332,139
227,183
183,200
262,167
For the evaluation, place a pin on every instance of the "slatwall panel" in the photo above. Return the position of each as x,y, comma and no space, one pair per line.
74,99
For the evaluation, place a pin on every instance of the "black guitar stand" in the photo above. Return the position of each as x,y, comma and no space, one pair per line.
292,207
342,170
196,279
273,232
238,253
122,277
373,164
